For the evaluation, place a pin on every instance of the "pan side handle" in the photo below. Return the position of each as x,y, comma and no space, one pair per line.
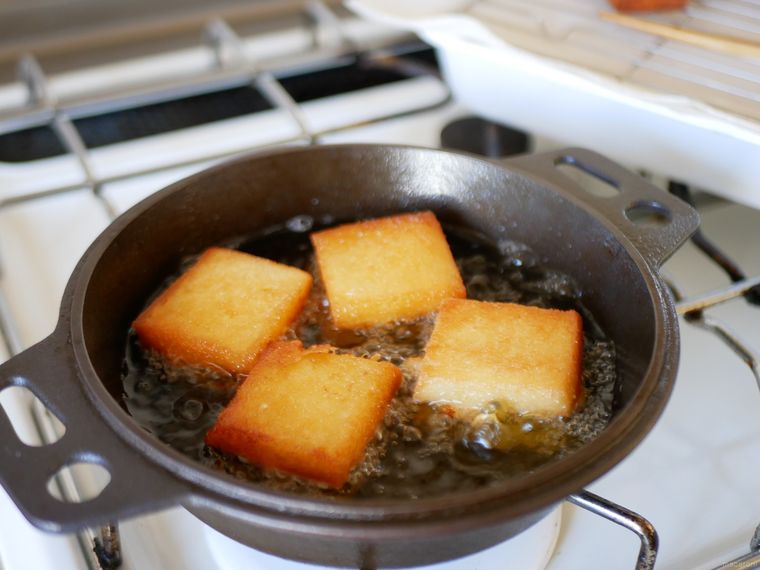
654,221
135,485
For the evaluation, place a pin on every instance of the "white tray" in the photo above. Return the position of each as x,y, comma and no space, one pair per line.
554,68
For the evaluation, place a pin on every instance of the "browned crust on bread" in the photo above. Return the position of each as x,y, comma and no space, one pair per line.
184,324
386,269
310,413
527,357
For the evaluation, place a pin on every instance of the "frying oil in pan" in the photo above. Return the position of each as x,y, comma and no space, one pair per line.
418,450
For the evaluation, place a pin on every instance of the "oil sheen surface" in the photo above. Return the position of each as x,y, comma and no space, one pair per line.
418,450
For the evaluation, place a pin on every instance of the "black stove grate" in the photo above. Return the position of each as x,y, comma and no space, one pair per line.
129,124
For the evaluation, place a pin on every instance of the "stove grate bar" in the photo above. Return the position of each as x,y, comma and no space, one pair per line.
229,52
692,311
711,250
718,296
231,59
330,42
100,181
625,518
327,27
747,561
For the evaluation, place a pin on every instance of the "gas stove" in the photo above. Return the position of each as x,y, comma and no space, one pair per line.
78,146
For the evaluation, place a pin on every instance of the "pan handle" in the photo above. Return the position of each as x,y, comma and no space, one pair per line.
135,486
654,221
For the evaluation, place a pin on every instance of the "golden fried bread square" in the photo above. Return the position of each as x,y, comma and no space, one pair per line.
525,357
224,309
382,270
310,413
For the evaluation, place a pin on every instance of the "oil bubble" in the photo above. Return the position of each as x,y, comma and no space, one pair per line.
300,224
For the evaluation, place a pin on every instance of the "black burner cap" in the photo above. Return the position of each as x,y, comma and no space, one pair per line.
484,137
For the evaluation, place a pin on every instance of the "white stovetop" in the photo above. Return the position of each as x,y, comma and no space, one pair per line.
694,477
